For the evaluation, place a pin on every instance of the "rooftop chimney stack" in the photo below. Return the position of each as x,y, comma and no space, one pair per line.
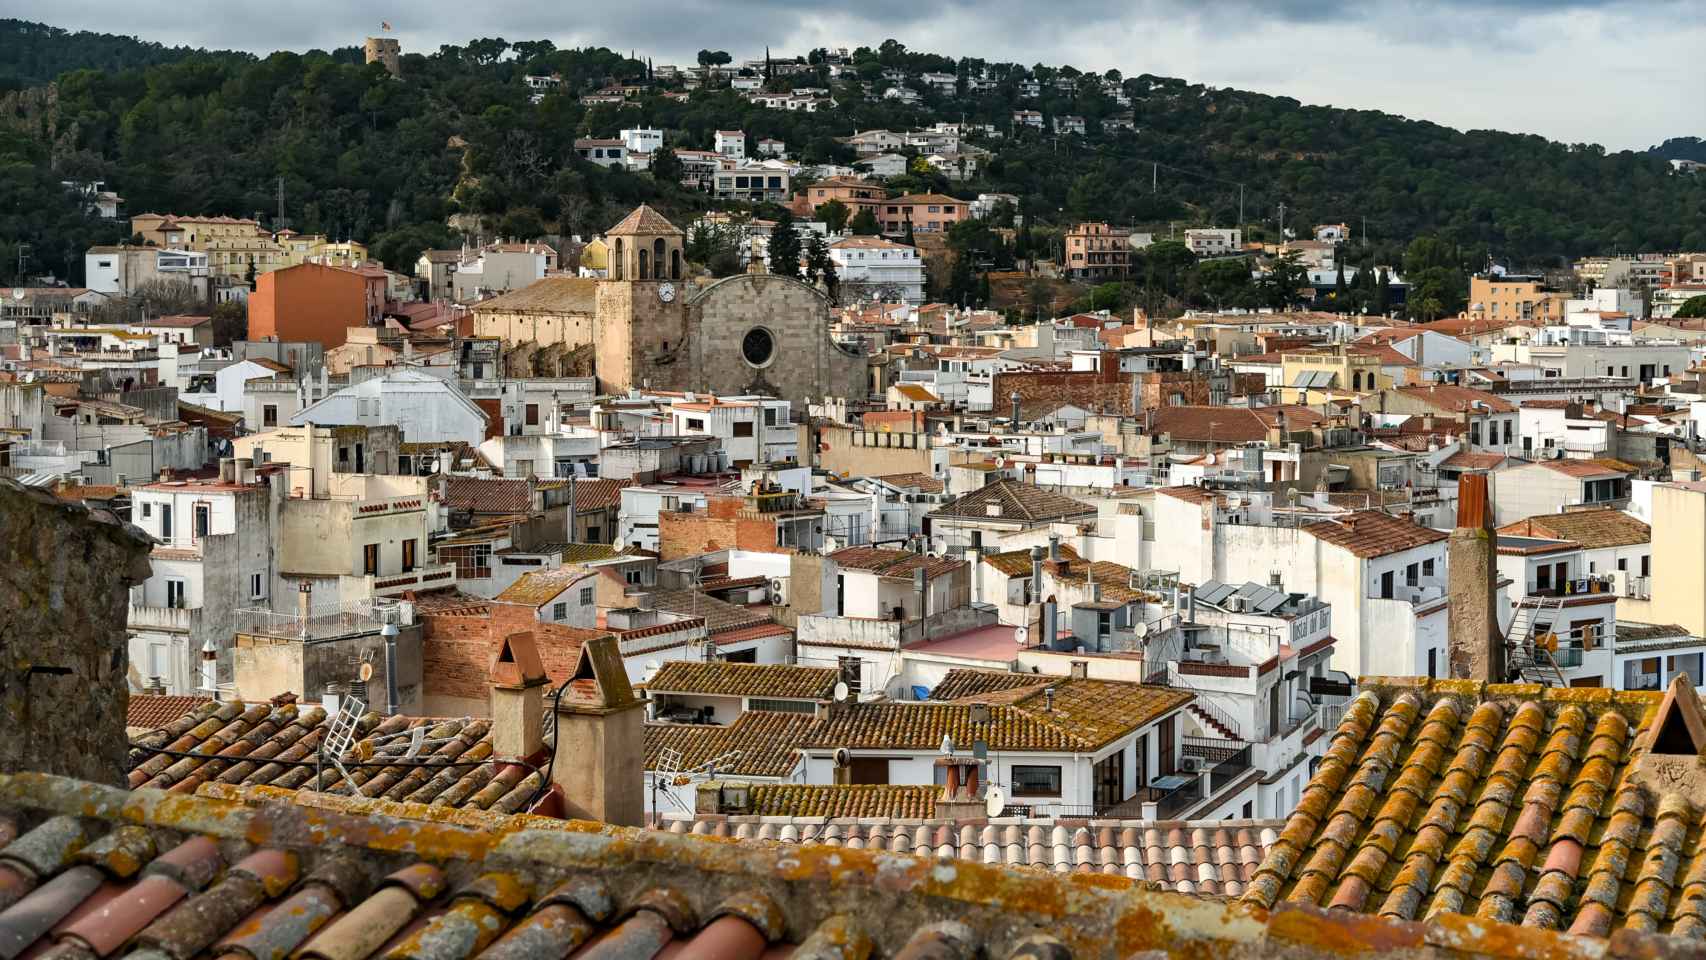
963,785
601,740
1477,649
518,699
304,604
1014,399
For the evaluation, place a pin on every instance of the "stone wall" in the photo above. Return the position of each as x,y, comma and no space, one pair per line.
806,364
65,577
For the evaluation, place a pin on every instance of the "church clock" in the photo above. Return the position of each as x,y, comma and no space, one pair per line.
666,292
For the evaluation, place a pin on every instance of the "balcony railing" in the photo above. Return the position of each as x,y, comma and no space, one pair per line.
1578,586
337,620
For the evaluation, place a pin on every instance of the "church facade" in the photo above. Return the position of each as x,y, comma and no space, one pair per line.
748,334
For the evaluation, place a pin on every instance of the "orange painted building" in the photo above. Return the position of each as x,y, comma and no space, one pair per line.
315,302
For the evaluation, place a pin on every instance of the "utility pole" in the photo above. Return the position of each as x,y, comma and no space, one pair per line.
1282,223
1154,177
280,224
1240,210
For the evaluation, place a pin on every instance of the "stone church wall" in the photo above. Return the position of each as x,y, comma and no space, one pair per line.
805,364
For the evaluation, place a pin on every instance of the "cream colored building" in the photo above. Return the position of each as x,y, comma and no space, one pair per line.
1676,591
555,310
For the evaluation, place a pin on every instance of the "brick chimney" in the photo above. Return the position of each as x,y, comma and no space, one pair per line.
600,764
1477,649
518,699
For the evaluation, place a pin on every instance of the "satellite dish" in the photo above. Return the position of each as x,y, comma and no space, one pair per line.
994,801
947,745
17,293
1021,635
366,672
841,692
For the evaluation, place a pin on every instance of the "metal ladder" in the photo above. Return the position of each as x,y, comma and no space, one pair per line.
1527,658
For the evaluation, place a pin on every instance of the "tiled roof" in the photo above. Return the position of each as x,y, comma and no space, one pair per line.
720,615
1017,563
1370,533
643,221
1470,460
270,875
755,631
1208,424
971,684
151,711
1593,529
923,482
1205,858
720,678
1190,494
262,744
1083,715
599,494
578,295
894,563
541,586
819,801
1018,501
1585,469
486,495
1455,399
1513,804
765,740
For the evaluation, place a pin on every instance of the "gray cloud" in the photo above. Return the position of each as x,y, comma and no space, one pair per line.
1574,70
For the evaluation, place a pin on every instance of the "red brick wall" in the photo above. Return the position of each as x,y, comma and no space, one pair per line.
459,649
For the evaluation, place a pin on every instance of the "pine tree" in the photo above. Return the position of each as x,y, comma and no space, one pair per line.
785,247
1380,297
908,240
864,223
817,258
1341,294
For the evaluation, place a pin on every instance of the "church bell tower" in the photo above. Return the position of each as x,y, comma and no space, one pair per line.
641,321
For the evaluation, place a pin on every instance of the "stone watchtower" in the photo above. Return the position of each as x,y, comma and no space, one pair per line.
386,51
641,320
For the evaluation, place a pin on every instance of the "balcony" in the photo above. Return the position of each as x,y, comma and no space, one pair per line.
162,619
355,617
432,577
1581,585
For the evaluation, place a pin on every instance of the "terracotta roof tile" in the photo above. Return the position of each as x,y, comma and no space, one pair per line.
1513,804
1370,533
538,587
1083,714
1227,425
1600,467
1455,399
766,741
599,494
1593,529
486,495
1207,858
151,711
720,615
894,564
1016,501
257,872
643,221
972,684
275,745
922,481
720,678
843,800
576,295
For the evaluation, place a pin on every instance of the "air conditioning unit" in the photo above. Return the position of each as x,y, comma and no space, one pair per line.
1190,764
1237,604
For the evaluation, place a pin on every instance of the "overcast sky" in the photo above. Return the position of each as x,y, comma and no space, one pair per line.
1625,74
